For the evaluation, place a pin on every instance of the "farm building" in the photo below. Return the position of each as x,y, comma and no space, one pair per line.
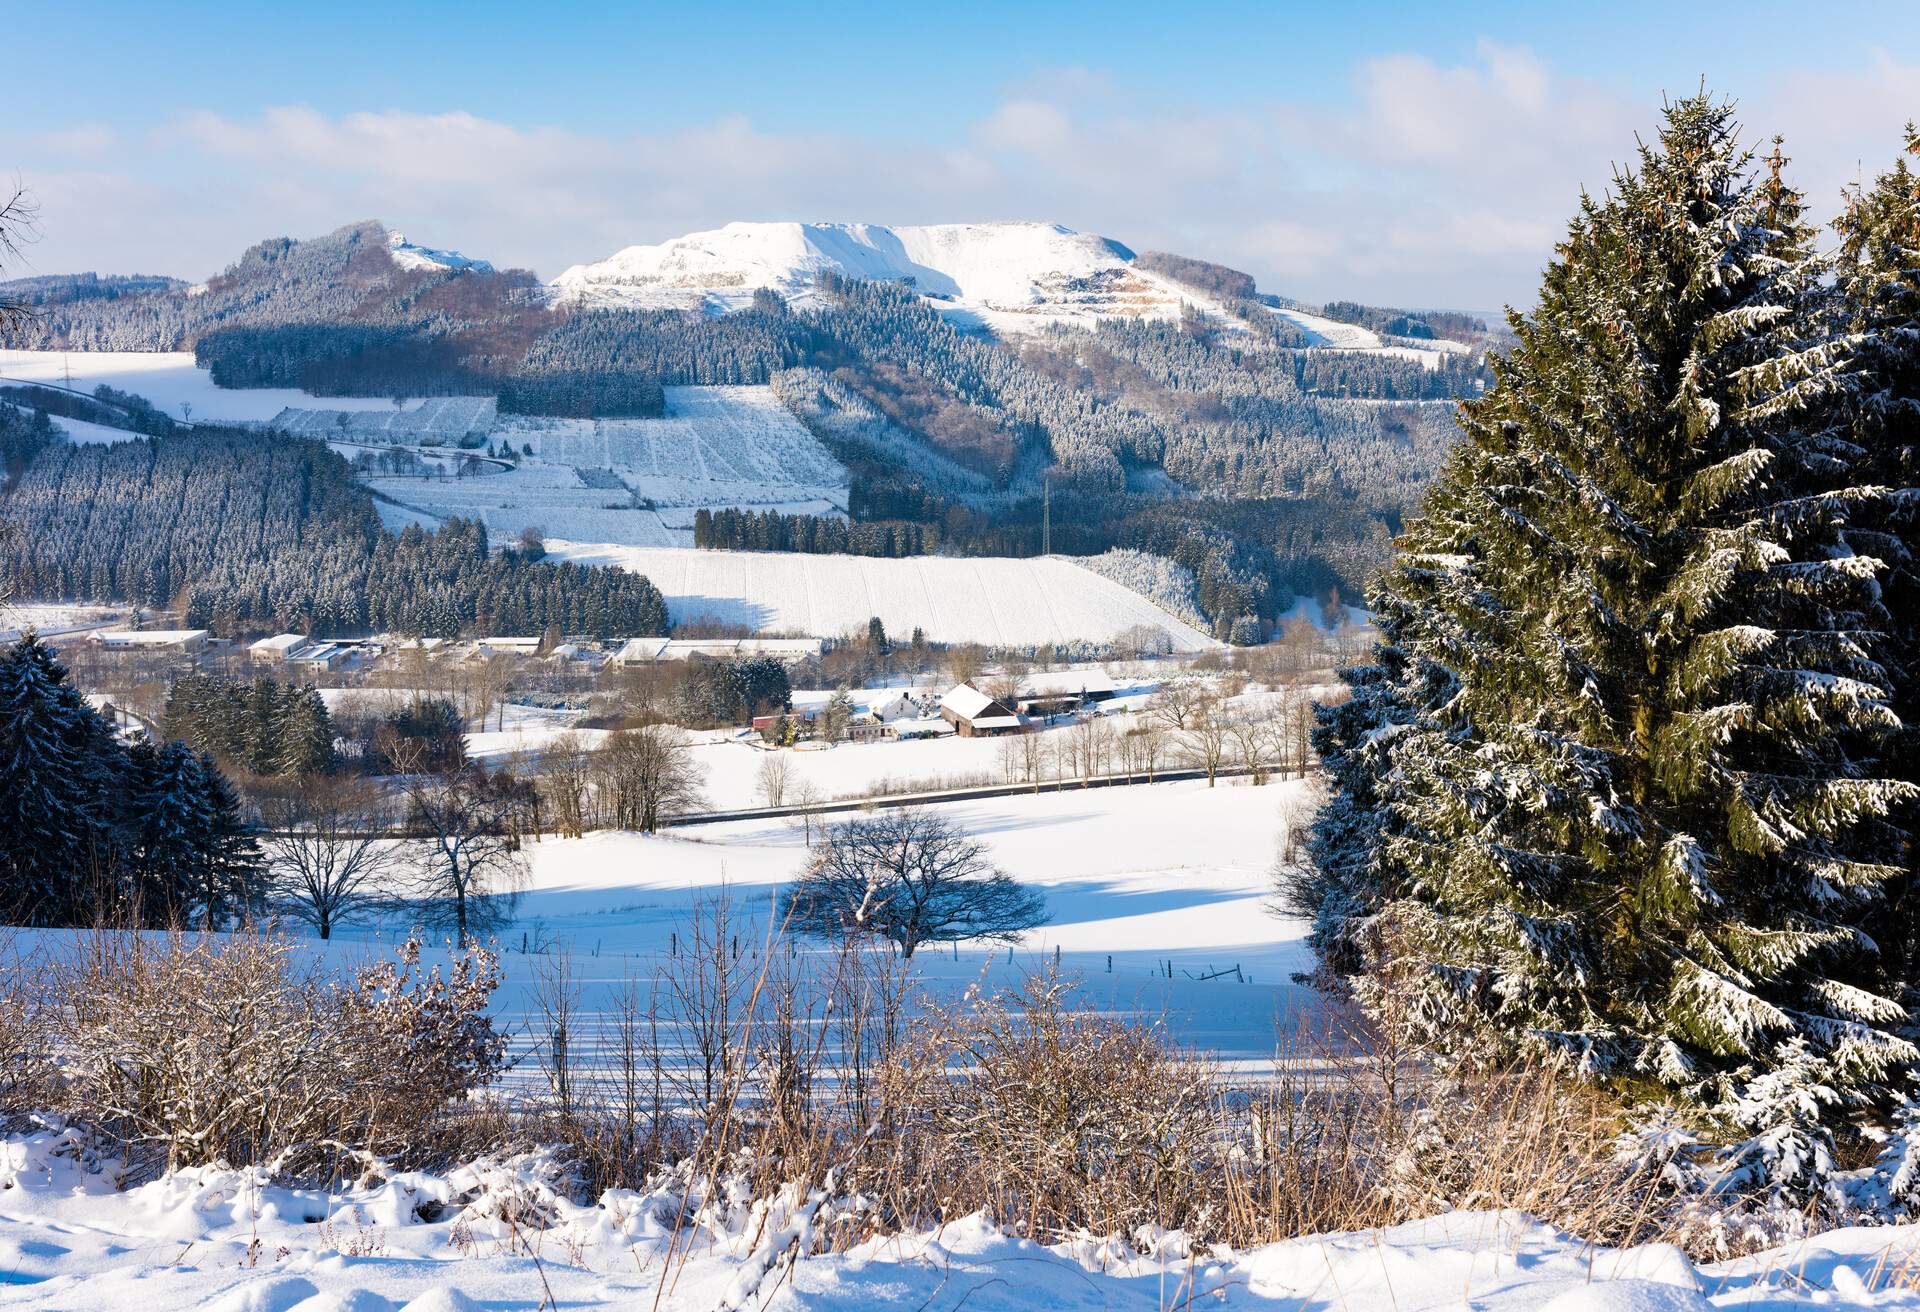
1058,691
507,646
896,707
152,639
127,725
321,656
649,651
973,714
865,728
280,647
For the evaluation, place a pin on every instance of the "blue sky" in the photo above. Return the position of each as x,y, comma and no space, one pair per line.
1418,154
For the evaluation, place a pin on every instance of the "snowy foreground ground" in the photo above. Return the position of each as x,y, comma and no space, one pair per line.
1144,876
221,1240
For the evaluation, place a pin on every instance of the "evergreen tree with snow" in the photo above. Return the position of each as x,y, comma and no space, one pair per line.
57,772
232,880
305,738
1637,802
1878,284
169,824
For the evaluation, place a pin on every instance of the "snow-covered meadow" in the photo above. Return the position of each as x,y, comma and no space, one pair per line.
168,379
998,601
637,482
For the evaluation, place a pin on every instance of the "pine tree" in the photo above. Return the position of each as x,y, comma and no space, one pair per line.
170,821
1878,284
232,882
1644,821
56,774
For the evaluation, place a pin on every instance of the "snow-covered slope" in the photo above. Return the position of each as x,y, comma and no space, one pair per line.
1334,335
409,256
1007,274
999,601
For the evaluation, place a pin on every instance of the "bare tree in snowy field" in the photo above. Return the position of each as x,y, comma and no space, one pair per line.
466,865
772,778
807,801
328,849
1206,735
911,877
648,776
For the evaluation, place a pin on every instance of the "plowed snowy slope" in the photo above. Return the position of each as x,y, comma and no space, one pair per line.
992,600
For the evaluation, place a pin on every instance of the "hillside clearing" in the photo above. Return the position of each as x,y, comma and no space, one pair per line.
993,600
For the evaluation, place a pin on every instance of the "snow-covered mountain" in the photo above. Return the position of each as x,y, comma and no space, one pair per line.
1010,275
409,256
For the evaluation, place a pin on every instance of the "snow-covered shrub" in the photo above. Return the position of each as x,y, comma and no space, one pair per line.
1058,1118
26,1019
224,1049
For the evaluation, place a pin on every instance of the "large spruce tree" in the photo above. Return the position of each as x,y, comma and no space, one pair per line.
1878,268
1620,786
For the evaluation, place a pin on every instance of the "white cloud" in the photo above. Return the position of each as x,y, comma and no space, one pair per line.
1440,184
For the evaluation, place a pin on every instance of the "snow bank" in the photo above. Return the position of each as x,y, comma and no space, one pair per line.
513,1233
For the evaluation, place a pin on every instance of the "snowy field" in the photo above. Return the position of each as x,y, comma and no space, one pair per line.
1333,334
638,482
82,432
998,601
51,618
536,495
730,759
1142,875
168,378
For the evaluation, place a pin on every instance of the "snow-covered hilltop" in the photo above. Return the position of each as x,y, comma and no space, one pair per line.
409,256
1011,275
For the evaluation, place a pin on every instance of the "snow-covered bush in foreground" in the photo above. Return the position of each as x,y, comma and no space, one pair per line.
221,1049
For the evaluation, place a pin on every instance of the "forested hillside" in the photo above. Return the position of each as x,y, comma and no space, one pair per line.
243,529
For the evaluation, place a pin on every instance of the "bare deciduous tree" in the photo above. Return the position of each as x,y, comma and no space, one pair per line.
649,776
565,772
1176,702
1256,738
772,778
1023,758
466,863
1205,736
1093,747
328,848
806,804
17,216
909,876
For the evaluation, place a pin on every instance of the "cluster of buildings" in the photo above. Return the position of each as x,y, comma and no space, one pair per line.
653,651
975,714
